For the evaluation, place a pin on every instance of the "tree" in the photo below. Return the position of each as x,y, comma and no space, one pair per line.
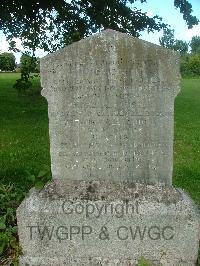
194,64
195,45
189,62
184,65
49,24
28,63
180,46
7,62
167,40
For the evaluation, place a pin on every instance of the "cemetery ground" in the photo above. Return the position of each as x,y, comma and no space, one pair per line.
25,159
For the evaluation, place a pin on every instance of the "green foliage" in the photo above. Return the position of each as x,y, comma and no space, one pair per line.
180,46
189,63
10,198
39,180
52,24
7,62
167,40
28,63
23,84
194,65
195,45
186,9
143,262
184,66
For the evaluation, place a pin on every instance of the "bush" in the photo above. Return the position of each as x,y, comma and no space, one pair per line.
194,65
184,66
10,198
190,65
28,84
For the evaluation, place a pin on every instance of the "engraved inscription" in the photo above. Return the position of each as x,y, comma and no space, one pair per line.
110,113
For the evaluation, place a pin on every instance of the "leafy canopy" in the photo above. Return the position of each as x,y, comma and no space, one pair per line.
51,24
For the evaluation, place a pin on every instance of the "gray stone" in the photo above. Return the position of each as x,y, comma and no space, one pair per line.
111,106
106,223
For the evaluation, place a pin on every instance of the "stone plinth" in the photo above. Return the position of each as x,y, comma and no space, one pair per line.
105,223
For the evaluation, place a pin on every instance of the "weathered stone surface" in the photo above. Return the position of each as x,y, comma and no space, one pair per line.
106,223
111,106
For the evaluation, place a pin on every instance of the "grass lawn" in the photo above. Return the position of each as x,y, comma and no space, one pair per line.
24,141
187,138
24,149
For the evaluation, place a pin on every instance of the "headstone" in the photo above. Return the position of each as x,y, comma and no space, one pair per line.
110,105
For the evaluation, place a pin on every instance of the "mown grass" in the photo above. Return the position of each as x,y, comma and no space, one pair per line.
24,152
24,140
187,138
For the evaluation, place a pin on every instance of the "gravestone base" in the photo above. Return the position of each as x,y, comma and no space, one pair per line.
43,261
103,223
